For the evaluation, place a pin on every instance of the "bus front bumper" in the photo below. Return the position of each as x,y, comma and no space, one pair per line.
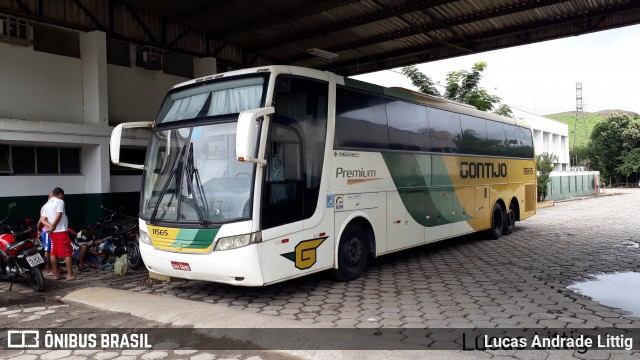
235,267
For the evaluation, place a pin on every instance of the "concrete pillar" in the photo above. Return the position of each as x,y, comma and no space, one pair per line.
93,50
204,66
537,139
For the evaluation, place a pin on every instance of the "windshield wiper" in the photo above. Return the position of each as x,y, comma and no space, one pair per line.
192,171
174,173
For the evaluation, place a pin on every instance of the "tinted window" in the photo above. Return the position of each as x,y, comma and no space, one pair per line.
178,65
56,40
70,161
445,131
118,53
22,159
513,140
474,135
47,160
526,142
5,164
361,120
408,126
496,138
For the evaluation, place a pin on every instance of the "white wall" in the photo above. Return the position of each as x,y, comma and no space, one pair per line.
40,86
135,93
125,183
41,185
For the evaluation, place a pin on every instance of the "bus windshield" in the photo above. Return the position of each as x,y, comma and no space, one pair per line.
192,175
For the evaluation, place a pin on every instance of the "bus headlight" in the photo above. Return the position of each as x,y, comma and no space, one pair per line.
145,238
234,242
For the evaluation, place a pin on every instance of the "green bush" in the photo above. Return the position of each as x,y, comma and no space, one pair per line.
544,164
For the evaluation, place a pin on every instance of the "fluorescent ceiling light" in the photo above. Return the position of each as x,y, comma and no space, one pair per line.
322,53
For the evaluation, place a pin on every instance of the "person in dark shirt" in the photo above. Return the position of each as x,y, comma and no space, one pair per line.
88,255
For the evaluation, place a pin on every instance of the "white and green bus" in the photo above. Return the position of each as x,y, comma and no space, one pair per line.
260,175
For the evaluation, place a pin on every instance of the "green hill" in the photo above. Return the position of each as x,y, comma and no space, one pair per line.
592,119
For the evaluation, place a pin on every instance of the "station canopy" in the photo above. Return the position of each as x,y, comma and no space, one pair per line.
347,37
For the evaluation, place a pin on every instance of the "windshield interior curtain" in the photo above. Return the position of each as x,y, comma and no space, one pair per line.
232,101
186,108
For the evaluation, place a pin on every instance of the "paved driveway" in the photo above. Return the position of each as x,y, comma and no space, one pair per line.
517,281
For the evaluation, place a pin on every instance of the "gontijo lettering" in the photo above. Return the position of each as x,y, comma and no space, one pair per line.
479,170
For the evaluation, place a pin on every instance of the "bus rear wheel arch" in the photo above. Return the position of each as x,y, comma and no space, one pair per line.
354,250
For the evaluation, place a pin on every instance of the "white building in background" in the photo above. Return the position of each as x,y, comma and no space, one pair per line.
549,136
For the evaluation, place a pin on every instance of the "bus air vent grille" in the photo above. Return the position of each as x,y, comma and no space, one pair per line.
529,197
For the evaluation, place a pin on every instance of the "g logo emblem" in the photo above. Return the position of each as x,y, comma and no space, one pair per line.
305,254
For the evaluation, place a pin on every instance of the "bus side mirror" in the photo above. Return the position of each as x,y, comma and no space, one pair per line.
116,138
246,134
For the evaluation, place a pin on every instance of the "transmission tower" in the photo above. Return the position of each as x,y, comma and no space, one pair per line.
580,126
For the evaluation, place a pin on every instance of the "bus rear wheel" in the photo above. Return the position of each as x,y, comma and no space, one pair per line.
353,253
497,222
510,220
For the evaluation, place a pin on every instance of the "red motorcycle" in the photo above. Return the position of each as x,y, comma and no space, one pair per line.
20,256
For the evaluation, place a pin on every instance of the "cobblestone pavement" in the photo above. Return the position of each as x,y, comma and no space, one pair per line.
518,281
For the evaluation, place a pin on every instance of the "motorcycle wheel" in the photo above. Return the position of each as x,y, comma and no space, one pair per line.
134,259
36,279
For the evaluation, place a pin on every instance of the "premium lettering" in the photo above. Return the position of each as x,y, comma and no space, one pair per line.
357,173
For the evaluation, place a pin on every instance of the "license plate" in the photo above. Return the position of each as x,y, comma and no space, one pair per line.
180,266
35,260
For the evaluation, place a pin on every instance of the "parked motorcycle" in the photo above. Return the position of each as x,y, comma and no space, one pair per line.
20,256
122,240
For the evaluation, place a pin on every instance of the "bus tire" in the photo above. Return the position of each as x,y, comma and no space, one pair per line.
497,222
510,220
353,253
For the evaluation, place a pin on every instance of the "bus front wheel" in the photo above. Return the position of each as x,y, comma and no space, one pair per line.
353,253
497,222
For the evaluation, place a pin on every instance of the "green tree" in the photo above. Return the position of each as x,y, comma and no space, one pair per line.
607,145
630,163
424,83
462,86
580,155
504,110
544,164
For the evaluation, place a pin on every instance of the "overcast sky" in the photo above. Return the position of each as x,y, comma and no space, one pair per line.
541,78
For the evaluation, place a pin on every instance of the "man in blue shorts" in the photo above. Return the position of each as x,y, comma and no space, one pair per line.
46,240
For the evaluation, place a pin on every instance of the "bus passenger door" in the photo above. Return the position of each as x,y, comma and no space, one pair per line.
482,210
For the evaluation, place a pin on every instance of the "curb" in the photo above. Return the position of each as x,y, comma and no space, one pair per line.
176,312
544,204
